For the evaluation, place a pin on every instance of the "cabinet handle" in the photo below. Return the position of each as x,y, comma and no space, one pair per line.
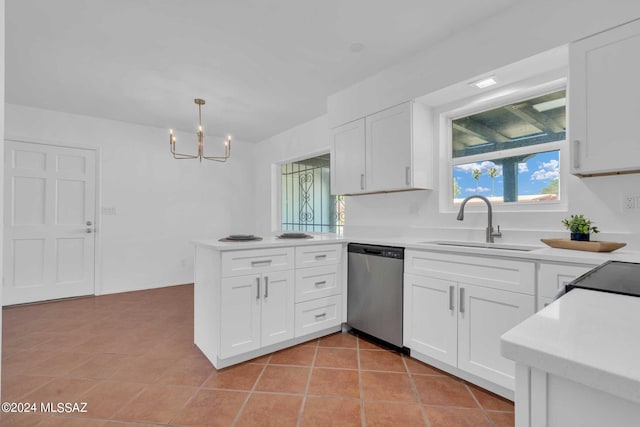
257,288
576,154
266,287
320,283
461,300
323,256
407,175
318,316
362,181
452,290
257,263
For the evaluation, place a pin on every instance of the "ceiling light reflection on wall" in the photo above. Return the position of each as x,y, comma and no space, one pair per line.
172,142
481,84
550,105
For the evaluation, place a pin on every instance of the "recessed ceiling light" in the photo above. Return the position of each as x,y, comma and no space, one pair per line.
481,84
550,105
356,47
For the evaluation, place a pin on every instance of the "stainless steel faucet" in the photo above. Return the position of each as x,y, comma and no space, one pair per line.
490,233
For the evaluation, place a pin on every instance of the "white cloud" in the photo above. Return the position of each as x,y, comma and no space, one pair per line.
522,168
548,170
483,167
477,190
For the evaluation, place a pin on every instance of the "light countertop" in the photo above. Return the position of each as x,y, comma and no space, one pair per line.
543,253
589,337
270,242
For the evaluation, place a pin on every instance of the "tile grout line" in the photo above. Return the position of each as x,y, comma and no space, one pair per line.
484,412
414,388
363,419
255,384
306,389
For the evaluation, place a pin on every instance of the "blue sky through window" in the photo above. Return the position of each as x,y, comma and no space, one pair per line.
534,174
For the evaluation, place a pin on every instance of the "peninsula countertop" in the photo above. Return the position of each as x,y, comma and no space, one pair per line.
589,337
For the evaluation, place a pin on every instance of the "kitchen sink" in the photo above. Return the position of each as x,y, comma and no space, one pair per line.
503,246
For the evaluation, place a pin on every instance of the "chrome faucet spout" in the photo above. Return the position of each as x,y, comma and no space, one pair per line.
490,233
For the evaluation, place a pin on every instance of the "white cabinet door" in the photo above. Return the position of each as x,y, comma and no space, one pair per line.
603,97
278,295
240,315
388,149
348,159
430,320
484,315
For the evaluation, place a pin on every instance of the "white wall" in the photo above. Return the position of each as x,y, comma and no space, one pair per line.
161,203
528,28
524,30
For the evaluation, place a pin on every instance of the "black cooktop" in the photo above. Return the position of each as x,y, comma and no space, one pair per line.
613,276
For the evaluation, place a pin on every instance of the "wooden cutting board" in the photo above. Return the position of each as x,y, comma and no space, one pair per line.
583,246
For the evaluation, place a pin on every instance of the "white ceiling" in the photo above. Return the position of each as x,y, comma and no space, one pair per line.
263,66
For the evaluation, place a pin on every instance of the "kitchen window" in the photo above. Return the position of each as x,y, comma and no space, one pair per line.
509,151
306,200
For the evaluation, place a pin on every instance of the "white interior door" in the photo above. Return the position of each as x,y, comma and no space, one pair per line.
49,222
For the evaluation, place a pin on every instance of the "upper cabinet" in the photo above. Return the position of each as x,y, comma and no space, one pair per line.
386,151
603,93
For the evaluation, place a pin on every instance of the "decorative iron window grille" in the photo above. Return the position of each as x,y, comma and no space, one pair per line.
307,203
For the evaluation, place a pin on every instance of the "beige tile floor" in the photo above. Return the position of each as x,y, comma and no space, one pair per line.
131,358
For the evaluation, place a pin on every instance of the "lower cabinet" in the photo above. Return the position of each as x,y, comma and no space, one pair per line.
255,301
257,311
457,307
460,324
553,277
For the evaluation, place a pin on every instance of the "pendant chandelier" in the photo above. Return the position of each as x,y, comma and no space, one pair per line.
172,142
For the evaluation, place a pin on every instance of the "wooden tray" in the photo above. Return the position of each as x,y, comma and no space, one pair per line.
583,246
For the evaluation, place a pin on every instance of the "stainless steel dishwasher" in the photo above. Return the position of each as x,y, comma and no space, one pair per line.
374,295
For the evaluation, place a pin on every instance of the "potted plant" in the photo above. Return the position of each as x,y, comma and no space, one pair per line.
580,227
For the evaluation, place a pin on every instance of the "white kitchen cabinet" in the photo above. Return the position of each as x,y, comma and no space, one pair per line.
257,311
553,277
252,302
484,315
387,151
240,313
456,307
430,317
603,100
347,159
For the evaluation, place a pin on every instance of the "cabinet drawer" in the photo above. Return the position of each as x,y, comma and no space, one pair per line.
317,255
492,272
238,263
316,315
553,277
317,282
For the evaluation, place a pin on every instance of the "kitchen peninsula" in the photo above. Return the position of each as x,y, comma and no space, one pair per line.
577,362
255,297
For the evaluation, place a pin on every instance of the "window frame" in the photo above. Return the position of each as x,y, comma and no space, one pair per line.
276,199
486,101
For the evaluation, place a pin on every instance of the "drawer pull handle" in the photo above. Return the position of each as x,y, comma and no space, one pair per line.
257,288
263,262
323,256
320,316
320,283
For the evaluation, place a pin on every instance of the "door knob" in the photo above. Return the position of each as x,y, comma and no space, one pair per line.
89,223
89,230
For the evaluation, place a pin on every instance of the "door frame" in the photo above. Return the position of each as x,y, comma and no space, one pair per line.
97,253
